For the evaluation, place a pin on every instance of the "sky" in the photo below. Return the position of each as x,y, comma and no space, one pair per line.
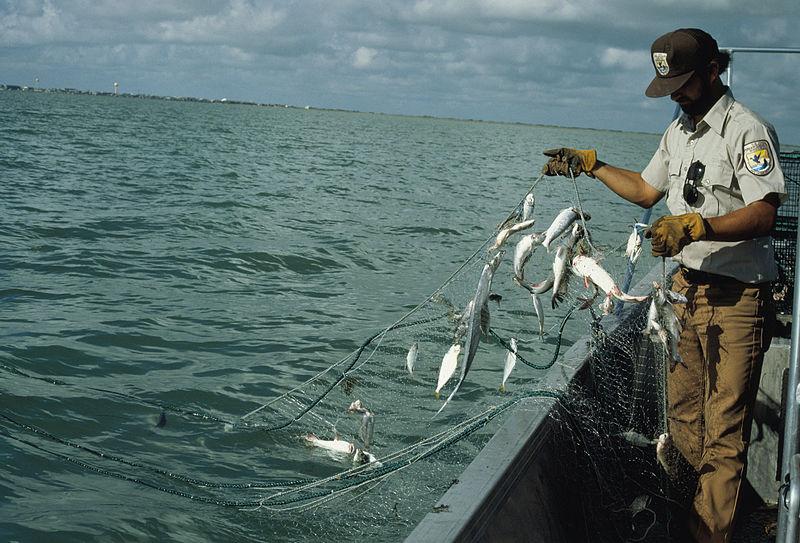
581,63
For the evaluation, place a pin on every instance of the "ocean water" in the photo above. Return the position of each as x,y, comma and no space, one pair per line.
215,256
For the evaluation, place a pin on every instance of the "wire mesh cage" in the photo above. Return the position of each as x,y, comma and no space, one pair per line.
784,234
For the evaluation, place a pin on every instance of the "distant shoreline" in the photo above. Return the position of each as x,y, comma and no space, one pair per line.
225,101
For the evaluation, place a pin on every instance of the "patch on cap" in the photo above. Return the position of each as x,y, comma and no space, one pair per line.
757,157
660,62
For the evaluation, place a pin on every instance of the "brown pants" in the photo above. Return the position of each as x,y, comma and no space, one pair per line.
727,327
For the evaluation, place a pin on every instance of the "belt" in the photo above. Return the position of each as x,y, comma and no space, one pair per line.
697,276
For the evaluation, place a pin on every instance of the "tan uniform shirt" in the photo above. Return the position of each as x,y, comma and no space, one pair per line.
740,154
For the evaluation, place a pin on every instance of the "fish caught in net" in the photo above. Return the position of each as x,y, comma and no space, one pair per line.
369,441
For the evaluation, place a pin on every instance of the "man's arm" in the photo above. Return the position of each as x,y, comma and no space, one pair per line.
752,221
628,184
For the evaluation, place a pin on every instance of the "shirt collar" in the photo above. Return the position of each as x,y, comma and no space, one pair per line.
715,118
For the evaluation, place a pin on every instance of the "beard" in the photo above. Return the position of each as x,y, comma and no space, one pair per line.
700,106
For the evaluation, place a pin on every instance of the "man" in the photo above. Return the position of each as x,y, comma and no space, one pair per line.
717,165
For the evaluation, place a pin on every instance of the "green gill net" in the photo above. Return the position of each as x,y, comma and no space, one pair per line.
297,490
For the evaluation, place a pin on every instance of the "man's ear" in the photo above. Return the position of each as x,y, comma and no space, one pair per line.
713,70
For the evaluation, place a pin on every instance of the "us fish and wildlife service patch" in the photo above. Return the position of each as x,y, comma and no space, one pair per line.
660,62
757,157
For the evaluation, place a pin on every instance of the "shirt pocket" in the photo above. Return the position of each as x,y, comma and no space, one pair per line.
721,190
675,201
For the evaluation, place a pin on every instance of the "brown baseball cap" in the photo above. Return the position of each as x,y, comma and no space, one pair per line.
676,55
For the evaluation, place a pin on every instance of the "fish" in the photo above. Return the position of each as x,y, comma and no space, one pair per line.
523,252
667,455
463,322
448,367
363,457
639,504
494,297
511,361
560,272
367,428
676,297
539,309
162,420
635,438
560,224
411,357
588,268
607,305
537,288
504,234
663,325
339,447
335,445
527,206
634,248
479,301
485,321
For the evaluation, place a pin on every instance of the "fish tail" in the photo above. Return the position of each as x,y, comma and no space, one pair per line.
448,399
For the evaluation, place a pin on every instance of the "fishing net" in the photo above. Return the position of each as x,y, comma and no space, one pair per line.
396,453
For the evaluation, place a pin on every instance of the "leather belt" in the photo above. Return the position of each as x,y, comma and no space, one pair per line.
697,276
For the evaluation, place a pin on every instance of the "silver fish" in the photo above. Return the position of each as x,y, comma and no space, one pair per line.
635,438
504,234
363,457
559,273
474,327
367,429
537,307
523,252
634,247
663,325
607,305
537,288
411,357
528,206
560,224
511,361
334,445
448,367
667,455
463,321
590,270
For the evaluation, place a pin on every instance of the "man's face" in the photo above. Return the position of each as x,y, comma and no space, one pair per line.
695,96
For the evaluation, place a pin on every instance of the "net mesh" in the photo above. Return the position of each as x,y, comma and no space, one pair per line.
784,234
310,490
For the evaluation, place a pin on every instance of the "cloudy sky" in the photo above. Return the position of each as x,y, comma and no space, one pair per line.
571,63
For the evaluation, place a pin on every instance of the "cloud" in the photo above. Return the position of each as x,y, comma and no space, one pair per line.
28,24
240,21
614,57
580,62
363,57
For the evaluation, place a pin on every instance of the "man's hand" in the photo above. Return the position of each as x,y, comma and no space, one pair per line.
564,159
674,232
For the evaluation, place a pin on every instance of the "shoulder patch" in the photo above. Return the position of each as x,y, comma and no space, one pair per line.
757,157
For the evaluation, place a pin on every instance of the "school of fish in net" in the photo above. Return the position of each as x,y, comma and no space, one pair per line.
378,411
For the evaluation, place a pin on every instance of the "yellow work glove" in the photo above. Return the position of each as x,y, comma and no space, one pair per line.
674,232
564,159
